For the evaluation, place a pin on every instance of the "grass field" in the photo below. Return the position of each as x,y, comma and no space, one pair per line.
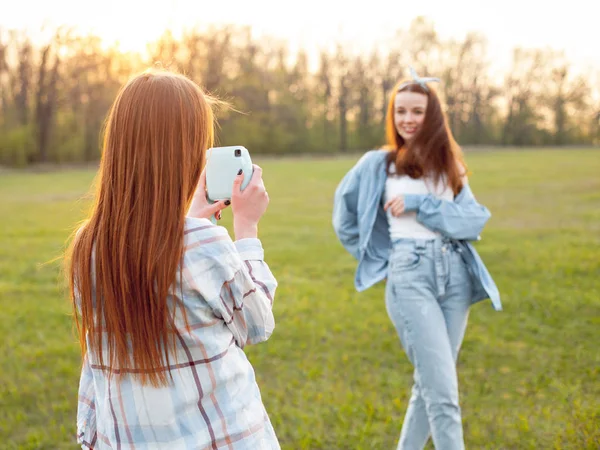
333,375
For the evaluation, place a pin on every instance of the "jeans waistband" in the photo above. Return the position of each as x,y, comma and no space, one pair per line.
438,251
424,243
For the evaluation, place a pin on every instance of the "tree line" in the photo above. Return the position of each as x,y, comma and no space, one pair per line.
54,96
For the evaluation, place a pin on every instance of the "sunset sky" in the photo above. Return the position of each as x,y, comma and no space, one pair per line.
314,24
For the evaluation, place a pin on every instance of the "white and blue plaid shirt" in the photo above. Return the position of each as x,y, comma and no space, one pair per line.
212,401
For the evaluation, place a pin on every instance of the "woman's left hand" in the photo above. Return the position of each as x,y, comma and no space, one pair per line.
396,205
200,208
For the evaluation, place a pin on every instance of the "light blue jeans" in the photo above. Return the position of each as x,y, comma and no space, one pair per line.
428,296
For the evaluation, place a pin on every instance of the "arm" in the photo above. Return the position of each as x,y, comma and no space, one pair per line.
461,219
86,408
234,280
345,217
247,301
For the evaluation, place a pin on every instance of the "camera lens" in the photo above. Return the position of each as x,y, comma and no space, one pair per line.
237,152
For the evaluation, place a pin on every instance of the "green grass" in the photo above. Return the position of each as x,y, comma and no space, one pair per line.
333,375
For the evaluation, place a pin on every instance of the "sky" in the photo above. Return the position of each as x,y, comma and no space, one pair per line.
313,24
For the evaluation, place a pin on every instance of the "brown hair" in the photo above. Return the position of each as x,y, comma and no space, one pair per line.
124,260
434,152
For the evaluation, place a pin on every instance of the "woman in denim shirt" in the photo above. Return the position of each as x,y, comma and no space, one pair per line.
406,213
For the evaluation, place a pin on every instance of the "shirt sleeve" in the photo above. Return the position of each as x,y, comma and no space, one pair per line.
345,211
234,280
463,218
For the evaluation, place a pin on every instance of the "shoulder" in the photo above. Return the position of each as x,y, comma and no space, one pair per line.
371,160
201,228
208,245
209,258
363,169
374,156
203,234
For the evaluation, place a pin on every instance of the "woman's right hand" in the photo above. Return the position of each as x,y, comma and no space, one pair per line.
396,205
248,205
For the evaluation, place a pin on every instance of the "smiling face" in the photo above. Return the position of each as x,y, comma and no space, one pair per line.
409,114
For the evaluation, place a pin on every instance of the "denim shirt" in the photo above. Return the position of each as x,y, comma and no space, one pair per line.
361,224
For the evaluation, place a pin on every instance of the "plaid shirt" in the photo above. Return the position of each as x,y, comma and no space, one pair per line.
213,401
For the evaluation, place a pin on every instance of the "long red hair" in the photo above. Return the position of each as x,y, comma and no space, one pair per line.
434,152
123,261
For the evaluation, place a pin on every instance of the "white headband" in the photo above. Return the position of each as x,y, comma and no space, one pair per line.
418,80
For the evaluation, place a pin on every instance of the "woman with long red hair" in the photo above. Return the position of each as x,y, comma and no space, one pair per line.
407,214
164,300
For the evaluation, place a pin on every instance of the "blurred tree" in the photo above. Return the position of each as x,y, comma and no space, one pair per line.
4,73
364,112
54,96
342,74
567,99
523,96
466,90
325,109
23,78
46,95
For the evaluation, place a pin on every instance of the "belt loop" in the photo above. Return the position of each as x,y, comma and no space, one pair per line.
450,243
420,247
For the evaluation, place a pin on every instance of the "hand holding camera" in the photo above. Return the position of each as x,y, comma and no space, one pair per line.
248,205
230,178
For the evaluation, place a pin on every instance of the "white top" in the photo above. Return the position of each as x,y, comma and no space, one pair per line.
406,226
